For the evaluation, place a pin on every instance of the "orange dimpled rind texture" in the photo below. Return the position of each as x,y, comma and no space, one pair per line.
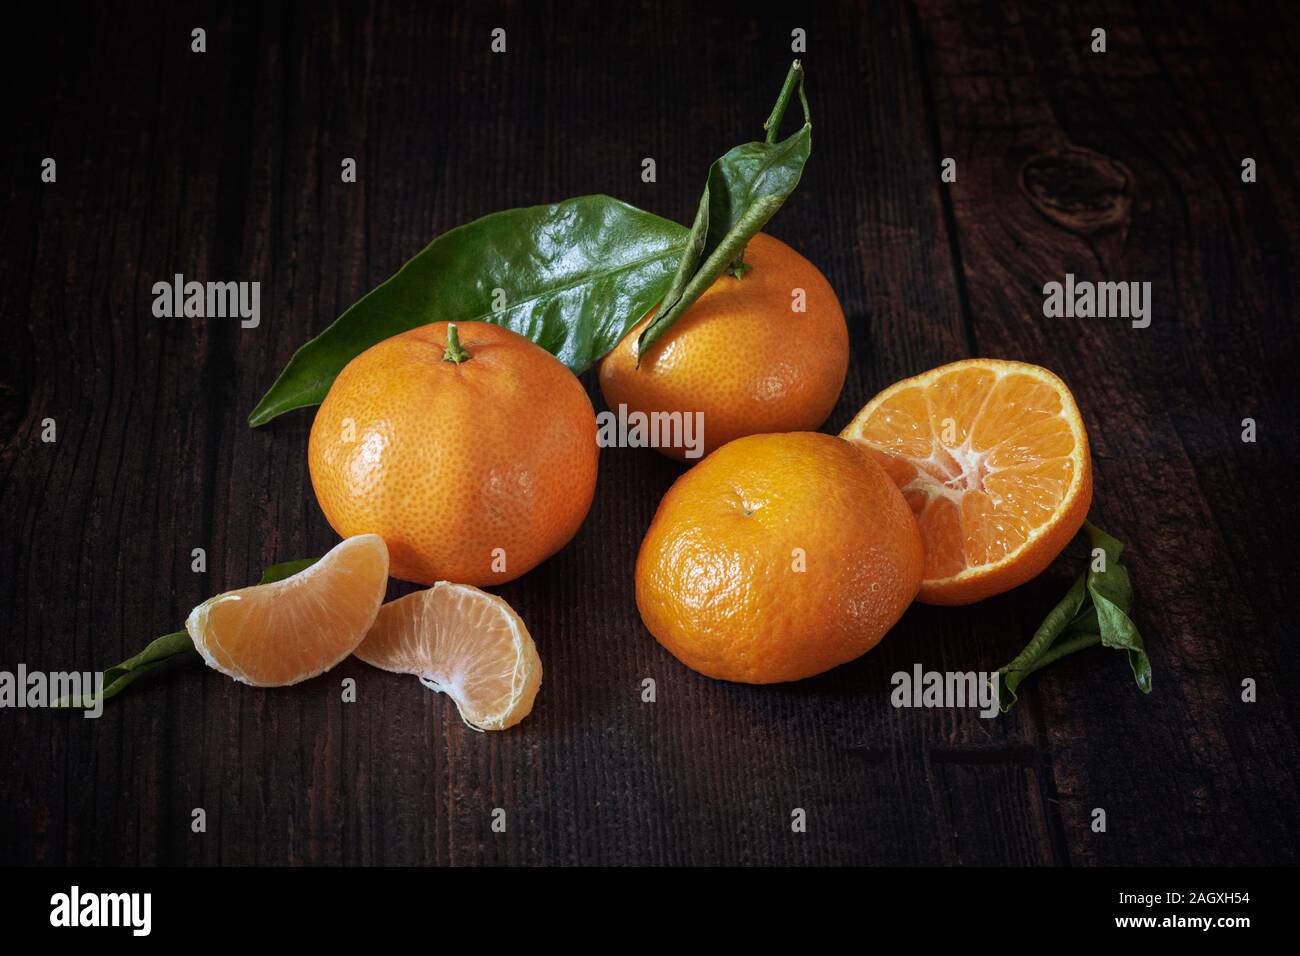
742,355
776,558
472,472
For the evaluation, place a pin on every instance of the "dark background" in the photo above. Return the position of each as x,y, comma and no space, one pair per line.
225,166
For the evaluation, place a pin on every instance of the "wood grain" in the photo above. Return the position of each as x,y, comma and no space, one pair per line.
1163,404
225,165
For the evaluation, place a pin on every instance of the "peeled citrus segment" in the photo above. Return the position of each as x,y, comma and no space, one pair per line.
992,457
462,642
271,635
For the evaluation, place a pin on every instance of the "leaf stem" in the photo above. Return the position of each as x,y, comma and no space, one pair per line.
1025,662
773,124
744,189
121,676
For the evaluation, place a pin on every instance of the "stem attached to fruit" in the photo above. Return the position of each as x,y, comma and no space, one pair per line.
453,352
739,267
743,191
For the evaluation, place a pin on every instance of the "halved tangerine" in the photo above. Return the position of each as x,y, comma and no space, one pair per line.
992,457
465,643
271,635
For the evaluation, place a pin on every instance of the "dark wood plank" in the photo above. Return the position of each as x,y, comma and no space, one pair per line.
225,165
1177,100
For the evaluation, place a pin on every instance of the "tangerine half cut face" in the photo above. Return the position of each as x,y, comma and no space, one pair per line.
992,458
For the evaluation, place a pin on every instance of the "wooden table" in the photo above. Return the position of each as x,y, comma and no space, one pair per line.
225,165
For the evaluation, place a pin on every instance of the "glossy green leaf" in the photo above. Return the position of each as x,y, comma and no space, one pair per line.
744,190
572,277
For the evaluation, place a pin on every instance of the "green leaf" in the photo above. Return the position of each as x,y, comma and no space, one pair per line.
744,190
1027,661
574,277
1112,597
1100,539
1094,611
1119,631
163,649
286,569
121,676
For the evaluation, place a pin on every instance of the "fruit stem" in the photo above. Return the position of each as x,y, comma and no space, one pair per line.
453,352
739,266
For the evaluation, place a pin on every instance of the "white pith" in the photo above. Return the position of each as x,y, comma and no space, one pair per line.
446,674
456,692
971,462
968,479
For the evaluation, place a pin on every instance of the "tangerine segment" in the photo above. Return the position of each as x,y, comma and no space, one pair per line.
465,643
992,458
272,635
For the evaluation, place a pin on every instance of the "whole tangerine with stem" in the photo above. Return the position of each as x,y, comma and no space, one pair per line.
468,448
763,350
